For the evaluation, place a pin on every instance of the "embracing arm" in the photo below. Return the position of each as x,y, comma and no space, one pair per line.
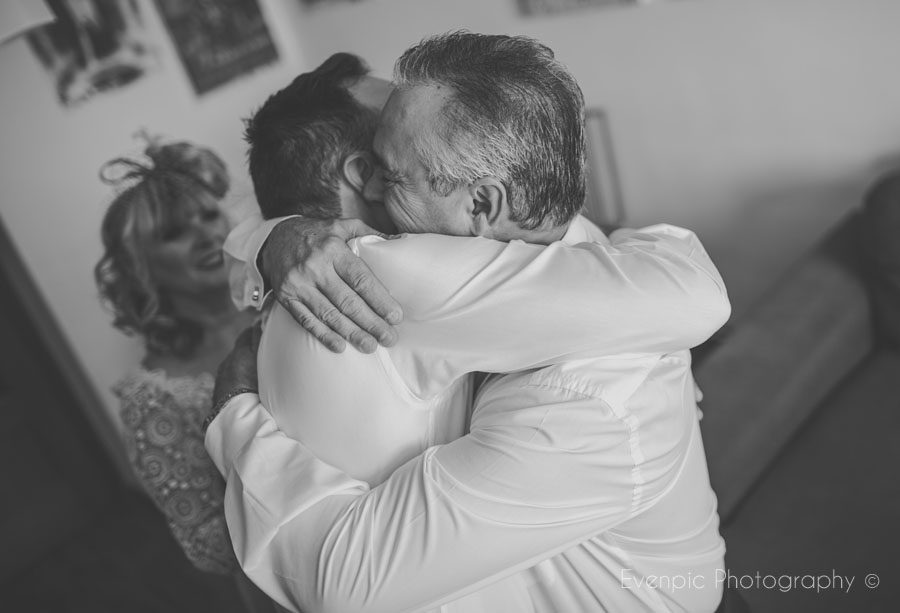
474,304
315,277
335,296
449,522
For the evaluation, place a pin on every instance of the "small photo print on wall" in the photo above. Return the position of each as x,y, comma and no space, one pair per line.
93,46
218,40
549,7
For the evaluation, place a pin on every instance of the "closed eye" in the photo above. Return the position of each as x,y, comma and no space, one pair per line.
390,177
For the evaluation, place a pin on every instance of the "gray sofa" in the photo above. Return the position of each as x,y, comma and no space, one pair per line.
801,398
767,373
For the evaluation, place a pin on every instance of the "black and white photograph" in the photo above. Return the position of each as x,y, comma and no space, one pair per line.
218,40
92,46
432,306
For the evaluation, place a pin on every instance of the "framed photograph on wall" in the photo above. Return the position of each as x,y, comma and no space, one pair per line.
323,2
92,46
549,7
218,40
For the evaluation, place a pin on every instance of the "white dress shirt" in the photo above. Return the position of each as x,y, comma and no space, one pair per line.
242,247
582,484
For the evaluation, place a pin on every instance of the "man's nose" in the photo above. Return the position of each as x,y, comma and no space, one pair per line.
373,190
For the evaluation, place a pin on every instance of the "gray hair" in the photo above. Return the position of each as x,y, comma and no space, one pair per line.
515,113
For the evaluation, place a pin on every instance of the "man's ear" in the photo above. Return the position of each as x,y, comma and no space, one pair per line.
357,169
489,208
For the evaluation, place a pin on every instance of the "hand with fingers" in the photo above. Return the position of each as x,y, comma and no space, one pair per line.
237,372
326,287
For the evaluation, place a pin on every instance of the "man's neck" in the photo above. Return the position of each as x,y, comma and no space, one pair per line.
538,236
550,235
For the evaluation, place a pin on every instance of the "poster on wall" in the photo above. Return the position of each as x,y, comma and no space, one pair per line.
93,46
545,7
218,40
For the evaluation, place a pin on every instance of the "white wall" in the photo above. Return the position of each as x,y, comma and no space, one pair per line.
51,199
756,122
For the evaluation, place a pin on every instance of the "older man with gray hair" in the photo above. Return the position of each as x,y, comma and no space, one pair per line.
581,484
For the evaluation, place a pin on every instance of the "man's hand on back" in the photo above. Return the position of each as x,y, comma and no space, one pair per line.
325,287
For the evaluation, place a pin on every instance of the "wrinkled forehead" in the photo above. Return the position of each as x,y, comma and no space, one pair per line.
410,114
419,105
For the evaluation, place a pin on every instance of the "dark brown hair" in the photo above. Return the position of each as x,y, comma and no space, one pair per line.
299,139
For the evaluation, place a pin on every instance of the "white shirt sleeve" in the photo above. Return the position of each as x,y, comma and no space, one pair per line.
473,304
451,521
241,251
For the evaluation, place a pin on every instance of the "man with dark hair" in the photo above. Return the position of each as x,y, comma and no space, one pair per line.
582,482
309,153
301,137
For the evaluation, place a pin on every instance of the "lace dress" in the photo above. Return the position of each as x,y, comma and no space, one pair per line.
162,417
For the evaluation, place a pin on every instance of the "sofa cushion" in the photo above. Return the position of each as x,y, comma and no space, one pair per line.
764,379
830,501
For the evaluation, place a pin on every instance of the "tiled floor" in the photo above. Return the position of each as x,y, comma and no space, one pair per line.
830,505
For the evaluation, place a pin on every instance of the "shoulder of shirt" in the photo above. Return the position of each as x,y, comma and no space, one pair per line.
660,229
406,243
583,230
